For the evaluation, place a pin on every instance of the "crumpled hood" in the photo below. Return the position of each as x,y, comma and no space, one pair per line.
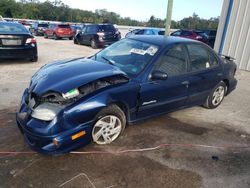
62,76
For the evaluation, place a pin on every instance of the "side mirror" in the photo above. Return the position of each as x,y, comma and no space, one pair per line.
159,75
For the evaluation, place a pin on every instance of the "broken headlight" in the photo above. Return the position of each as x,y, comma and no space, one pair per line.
46,111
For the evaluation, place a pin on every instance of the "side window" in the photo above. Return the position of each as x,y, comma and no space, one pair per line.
91,29
199,58
212,60
140,32
84,29
148,32
177,33
173,62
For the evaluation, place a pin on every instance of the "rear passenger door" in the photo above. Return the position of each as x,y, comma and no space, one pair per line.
205,73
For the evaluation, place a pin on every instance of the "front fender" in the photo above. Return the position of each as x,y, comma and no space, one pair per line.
85,110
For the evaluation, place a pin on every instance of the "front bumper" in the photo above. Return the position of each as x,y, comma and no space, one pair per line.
39,140
18,52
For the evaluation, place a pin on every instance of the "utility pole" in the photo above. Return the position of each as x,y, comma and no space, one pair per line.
169,17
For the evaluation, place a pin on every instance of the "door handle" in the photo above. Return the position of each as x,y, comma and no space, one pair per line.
219,74
185,83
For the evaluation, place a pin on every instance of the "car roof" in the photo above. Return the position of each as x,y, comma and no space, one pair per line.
161,40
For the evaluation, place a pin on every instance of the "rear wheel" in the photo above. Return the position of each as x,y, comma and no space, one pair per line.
109,125
216,96
93,44
45,36
70,38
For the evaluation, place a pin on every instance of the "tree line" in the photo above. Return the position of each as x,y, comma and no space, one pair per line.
56,10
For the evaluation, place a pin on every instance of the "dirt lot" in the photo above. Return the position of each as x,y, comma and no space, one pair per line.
169,167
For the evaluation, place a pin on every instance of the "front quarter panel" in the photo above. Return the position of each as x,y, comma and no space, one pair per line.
86,110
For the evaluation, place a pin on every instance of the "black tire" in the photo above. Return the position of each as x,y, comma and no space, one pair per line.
112,110
70,38
45,36
93,44
55,37
211,102
34,59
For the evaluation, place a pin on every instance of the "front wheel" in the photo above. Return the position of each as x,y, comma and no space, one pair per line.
216,96
110,124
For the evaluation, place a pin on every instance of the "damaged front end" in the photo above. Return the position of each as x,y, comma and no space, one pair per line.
51,126
51,103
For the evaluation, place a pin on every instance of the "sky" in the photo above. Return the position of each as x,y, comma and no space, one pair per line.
142,9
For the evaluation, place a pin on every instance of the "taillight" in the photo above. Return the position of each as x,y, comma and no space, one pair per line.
100,34
198,37
117,32
30,41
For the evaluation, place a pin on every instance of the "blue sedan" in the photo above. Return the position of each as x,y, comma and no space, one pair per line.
70,103
146,31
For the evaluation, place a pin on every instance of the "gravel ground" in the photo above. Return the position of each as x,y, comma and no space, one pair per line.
169,167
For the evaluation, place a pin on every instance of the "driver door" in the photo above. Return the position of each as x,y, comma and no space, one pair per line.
169,93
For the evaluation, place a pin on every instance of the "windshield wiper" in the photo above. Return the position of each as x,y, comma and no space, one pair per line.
108,60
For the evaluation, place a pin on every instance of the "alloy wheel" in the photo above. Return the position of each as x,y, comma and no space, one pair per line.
106,129
218,95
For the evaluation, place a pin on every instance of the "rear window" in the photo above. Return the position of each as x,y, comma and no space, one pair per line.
6,28
186,33
203,34
64,26
43,25
106,28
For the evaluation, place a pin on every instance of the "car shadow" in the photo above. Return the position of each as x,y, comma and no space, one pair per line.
15,61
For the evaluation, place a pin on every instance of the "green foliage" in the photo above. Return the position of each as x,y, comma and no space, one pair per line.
56,10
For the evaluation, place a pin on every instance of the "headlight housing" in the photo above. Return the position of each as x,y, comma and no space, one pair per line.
46,111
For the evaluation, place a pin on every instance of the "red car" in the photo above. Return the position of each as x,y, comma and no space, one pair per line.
58,31
191,34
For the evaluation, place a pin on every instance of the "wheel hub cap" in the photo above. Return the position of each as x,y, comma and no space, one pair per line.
218,95
107,129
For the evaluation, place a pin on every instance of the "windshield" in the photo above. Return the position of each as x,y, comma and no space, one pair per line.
7,28
129,55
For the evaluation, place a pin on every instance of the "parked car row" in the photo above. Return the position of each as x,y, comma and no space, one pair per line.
13,35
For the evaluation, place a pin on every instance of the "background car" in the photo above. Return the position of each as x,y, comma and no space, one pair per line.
152,31
38,28
70,103
97,35
76,28
192,34
58,31
17,42
211,36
